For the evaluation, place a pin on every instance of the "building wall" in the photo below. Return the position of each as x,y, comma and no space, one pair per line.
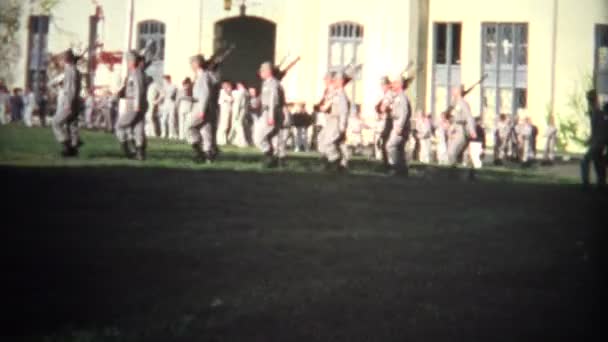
574,47
302,30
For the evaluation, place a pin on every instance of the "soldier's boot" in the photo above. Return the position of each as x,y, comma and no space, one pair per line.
68,150
140,153
270,161
126,149
199,155
325,165
212,155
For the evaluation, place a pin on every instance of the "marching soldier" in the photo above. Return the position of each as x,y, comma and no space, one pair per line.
130,126
333,136
383,121
400,116
200,125
271,117
319,111
153,96
65,121
597,144
462,126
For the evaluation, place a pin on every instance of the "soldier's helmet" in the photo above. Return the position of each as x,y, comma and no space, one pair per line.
198,59
343,75
267,66
329,75
133,56
69,56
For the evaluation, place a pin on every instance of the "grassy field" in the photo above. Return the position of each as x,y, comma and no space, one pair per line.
104,249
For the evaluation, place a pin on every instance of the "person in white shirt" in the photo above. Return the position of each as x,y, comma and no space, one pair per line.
239,112
168,127
29,106
225,114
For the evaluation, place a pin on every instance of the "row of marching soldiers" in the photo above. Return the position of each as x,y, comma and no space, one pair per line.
202,119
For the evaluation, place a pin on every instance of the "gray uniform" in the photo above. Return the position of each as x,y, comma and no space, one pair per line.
271,117
131,123
551,136
383,126
333,135
65,122
200,126
597,146
462,123
400,116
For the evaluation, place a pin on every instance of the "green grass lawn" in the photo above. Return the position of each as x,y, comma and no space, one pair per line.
36,147
104,249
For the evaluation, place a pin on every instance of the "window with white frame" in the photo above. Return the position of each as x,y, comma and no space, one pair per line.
345,47
446,63
600,74
505,62
153,31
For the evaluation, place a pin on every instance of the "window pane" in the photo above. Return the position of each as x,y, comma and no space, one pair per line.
349,52
490,45
358,31
332,31
162,28
506,44
602,49
441,32
456,32
522,51
489,102
335,55
521,98
506,101
441,99
162,49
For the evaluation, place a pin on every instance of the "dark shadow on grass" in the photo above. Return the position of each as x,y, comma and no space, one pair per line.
212,255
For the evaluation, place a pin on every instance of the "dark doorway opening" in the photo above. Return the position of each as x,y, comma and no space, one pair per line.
254,39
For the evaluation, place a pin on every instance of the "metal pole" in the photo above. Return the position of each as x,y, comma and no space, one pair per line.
128,37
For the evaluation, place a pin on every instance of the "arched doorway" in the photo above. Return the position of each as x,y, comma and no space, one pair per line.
254,39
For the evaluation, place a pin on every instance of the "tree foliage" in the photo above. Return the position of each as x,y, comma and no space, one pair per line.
10,47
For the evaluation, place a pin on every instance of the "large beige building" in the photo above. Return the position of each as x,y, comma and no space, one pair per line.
538,55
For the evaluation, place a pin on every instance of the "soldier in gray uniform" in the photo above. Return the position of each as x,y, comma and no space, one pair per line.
462,126
271,117
597,144
130,126
400,116
333,136
65,122
200,121
383,125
